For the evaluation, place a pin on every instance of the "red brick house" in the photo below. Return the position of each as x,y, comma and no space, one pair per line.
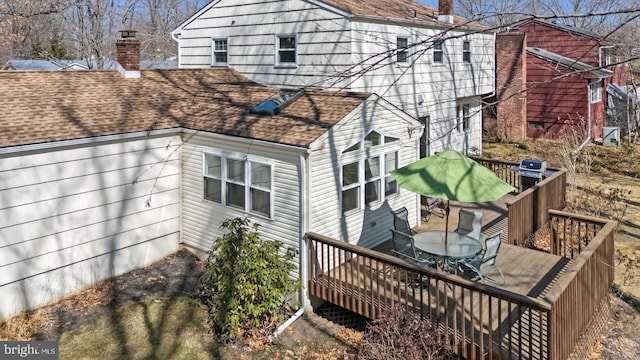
551,79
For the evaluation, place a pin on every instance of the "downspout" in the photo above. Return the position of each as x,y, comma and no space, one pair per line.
303,253
588,138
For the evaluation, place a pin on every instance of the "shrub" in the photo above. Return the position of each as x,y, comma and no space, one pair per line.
247,281
402,334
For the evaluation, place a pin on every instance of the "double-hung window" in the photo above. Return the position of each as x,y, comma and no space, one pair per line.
466,51
238,182
286,50
595,91
365,172
402,50
220,52
438,52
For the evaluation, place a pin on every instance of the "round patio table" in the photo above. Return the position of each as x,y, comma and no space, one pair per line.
458,246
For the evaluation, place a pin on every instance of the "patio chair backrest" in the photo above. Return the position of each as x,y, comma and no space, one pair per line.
403,245
470,224
492,247
401,220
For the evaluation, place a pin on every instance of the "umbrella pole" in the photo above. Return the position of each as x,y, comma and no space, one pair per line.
446,224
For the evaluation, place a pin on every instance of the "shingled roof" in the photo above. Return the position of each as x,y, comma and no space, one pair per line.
408,10
48,106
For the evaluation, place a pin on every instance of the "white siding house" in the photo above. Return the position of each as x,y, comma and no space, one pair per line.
96,183
429,63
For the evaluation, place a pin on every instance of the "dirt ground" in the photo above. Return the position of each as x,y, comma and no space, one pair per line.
315,336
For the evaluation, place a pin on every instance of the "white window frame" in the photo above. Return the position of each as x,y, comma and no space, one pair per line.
246,182
278,50
404,51
595,92
607,57
438,48
466,117
463,117
466,51
360,157
215,51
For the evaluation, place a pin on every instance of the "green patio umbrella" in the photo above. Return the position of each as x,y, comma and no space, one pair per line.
450,175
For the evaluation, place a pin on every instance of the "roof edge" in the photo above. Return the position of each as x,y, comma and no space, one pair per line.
205,8
92,140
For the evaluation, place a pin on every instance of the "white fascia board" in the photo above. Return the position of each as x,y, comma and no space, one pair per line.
175,32
96,140
334,9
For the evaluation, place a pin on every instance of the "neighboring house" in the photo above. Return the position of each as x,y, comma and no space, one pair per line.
105,171
554,80
431,64
81,64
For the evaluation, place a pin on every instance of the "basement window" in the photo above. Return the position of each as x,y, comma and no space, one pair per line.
275,103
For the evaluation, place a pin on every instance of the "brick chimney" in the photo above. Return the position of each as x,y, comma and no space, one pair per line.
445,11
128,53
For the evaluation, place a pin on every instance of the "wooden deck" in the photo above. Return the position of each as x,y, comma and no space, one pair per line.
527,272
475,322
549,307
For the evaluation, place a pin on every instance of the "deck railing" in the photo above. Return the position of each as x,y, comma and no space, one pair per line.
484,322
503,169
528,211
580,297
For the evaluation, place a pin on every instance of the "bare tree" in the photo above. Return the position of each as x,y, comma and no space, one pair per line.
26,22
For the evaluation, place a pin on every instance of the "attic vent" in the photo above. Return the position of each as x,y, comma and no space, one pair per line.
275,103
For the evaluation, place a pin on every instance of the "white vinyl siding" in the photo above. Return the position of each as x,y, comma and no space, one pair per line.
202,218
328,44
72,217
368,226
323,41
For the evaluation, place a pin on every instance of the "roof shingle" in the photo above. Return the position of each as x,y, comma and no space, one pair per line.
43,106
397,9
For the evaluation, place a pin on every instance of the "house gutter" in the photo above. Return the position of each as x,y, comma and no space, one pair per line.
588,137
303,253
46,146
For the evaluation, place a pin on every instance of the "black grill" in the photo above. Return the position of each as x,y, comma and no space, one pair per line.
532,168
531,172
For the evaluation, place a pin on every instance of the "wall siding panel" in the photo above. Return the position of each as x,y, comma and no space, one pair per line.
330,47
74,216
202,218
367,227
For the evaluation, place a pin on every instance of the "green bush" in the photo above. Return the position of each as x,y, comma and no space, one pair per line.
402,334
247,280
